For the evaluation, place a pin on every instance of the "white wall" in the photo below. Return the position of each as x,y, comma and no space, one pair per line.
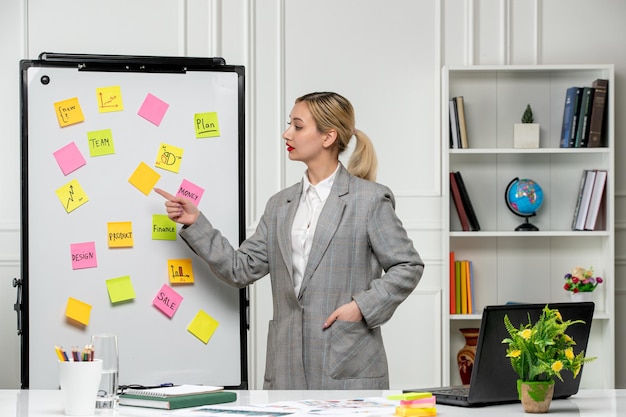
384,55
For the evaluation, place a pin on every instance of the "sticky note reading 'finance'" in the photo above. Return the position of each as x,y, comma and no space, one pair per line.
203,326
163,228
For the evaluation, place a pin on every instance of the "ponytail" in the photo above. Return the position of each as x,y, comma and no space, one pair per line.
363,162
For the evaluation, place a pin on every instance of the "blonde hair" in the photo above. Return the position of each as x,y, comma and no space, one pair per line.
333,111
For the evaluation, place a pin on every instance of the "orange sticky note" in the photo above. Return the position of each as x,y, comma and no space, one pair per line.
78,311
144,178
180,271
203,326
120,289
68,112
120,234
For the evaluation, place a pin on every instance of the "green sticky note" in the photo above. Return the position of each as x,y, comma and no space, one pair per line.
120,289
100,142
163,228
206,125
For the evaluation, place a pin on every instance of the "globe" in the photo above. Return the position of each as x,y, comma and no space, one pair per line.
524,197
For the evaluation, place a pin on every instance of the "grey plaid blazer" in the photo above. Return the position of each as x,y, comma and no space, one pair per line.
358,236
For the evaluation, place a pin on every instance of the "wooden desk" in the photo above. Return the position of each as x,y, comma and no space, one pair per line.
587,403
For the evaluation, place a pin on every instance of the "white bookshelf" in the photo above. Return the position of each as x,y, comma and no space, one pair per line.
526,266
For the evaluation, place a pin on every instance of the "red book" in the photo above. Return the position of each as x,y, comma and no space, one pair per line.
458,203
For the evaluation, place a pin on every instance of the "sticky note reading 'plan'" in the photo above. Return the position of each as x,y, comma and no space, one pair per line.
169,157
167,300
69,158
83,255
69,112
190,191
206,125
144,178
78,311
72,196
180,271
120,289
153,109
203,326
109,99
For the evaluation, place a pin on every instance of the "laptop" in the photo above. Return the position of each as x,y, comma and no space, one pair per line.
493,379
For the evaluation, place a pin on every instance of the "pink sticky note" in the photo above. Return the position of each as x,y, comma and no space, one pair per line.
190,191
167,300
83,255
69,158
153,109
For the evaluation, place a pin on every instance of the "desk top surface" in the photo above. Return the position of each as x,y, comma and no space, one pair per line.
46,403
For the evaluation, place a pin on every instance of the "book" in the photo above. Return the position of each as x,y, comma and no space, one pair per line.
457,286
463,283
467,202
584,113
452,286
458,203
460,110
581,218
596,121
468,284
596,198
570,110
177,401
173,391
455,140
579,198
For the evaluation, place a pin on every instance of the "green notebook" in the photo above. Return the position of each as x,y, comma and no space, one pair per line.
179,401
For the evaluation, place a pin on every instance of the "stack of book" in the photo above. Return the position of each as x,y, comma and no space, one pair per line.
458,127
583,116
179,396
462,203
588,210
461,286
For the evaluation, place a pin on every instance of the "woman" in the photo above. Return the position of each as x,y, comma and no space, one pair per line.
325,242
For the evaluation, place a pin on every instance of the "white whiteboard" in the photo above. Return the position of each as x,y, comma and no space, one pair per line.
153,347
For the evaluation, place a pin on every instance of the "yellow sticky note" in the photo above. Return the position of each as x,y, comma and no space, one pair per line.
206,125
120,234
180,271
100,142
109,99
68,112
203,326
78,311
144,178
169,157
409,396
72,195
120,289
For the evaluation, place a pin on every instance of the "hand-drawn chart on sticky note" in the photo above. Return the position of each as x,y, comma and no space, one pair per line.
83,255
109,99
203,326
153,109
163,228
120,289
100,142
69,112
169,157
206,125
72,196
69,158
120,234
144,178
190,191
78,311
167,300
180,271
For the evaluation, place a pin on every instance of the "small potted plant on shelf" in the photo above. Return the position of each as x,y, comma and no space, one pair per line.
526,133
580,283
539,352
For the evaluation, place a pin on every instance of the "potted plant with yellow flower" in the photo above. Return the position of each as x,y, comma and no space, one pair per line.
539,352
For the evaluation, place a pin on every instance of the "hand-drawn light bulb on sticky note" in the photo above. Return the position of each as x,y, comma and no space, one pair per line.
180,271
167,300
190,191
68,112
169,157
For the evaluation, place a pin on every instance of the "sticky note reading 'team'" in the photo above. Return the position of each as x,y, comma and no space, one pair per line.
69,158
120,234
72,196
144,178
167,300
169,157
78,311
153,109
190,191
120,289
69,112
180,271
100,142
203,326
206,125
163,228
109,99
83,255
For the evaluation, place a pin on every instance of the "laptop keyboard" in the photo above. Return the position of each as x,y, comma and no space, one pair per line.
461,391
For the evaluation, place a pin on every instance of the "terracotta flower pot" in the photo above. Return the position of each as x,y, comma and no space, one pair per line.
536,396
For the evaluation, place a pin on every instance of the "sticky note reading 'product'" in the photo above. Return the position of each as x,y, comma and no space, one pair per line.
144,178
72,196
120,234
83,255
180,271
206,125
163,228
169,157
78,311
69,158
100,142
109,99
120,289
190,191
167,300
68,112
153,109
203,326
